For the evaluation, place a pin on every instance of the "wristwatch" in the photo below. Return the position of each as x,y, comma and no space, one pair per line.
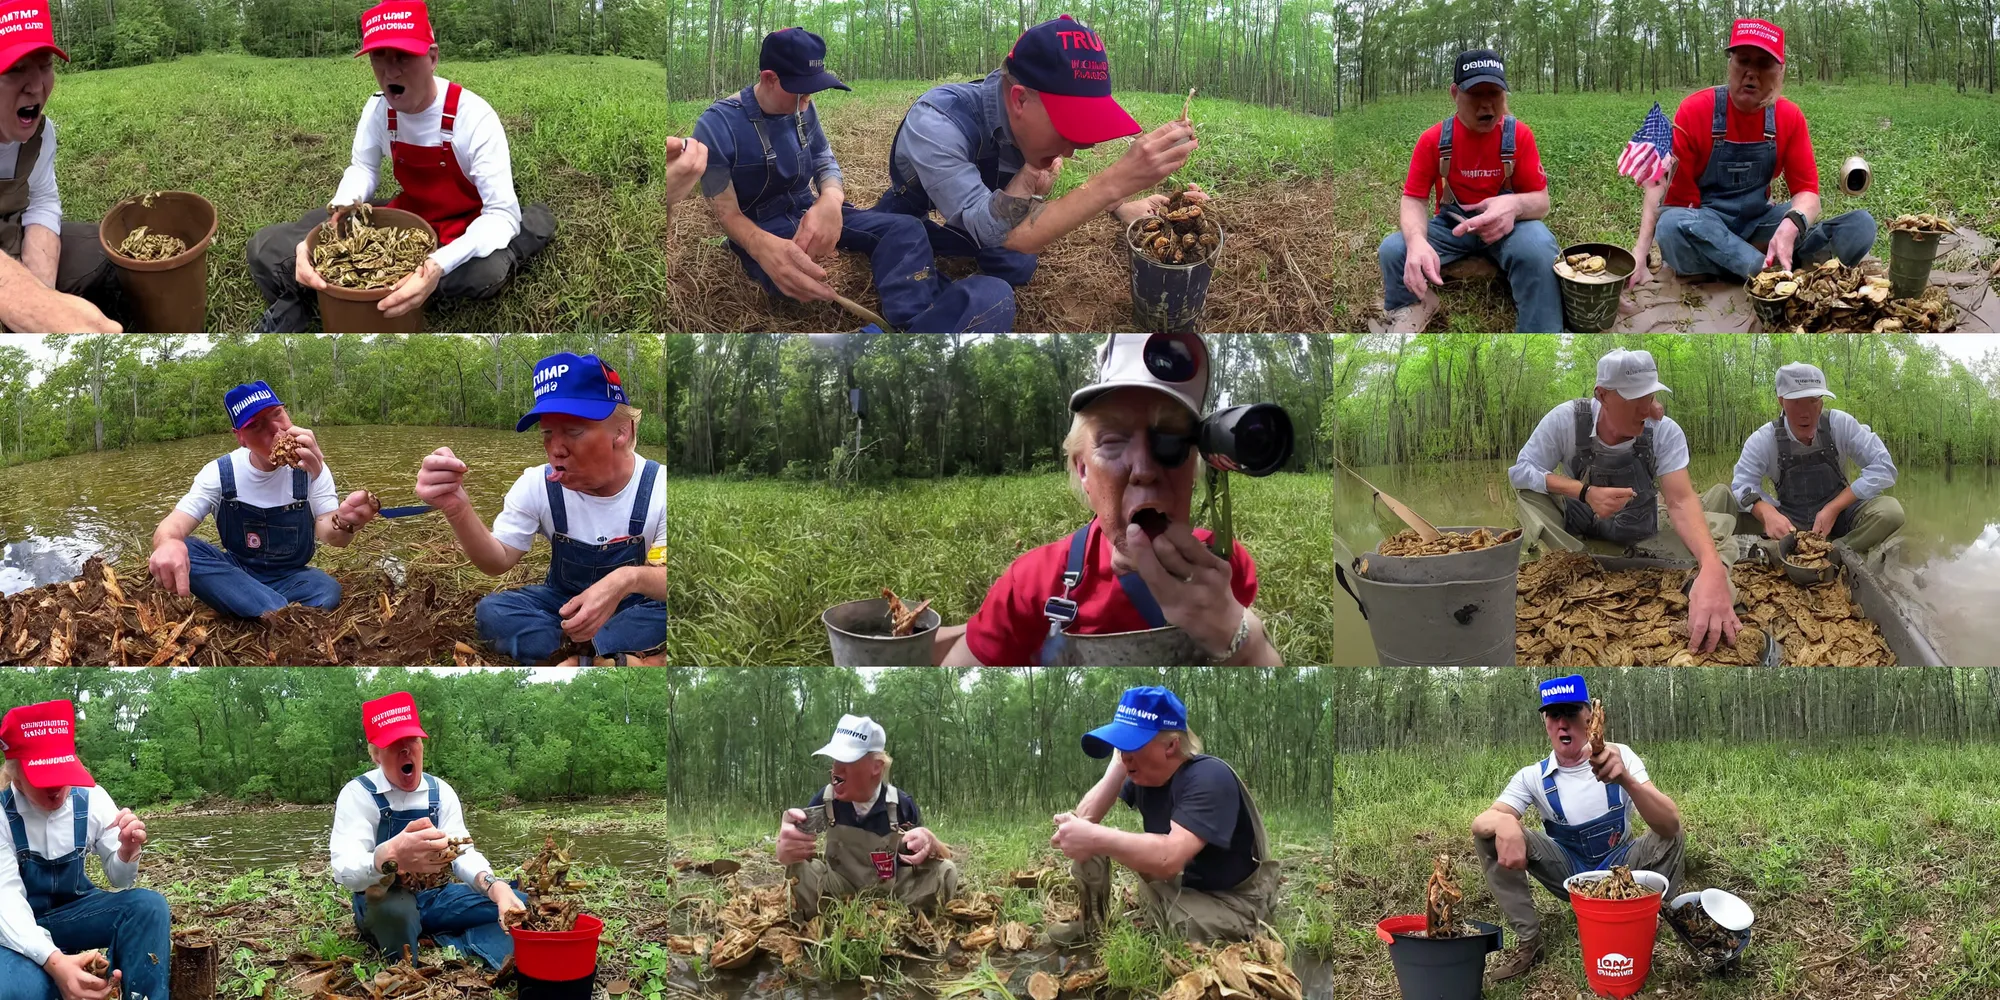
1798,219
1584,494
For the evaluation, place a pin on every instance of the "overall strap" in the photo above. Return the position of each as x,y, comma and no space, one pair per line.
1720,124
1062,610
227,468
1507,129
557,515
381,800
1585,453
1771,123
1643,451
392,114
431,783
1549,789
1142,598
15,828
298,483
754,114
895,806
79,808
1782,439
449,123
637,526
1446,196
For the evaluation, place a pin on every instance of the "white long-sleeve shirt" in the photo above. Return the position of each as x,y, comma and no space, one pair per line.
53,835
44,200
1554,443
352,844
1852,439
478,142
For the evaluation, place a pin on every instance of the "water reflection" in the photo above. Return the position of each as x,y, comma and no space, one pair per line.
34,562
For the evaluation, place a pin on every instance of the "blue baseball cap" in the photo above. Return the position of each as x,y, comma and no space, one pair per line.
246,401
578,385
1065,63
1557,691
799,58
1143,712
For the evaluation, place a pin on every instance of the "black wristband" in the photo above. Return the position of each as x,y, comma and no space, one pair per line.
1584,494
1798,219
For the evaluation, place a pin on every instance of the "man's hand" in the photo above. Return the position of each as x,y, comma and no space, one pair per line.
307,449
358,509
419,848
1641,274
303,270
73,983
1421,267
1155,204
1152,157
1512,846
1190,582
169,566
1076,837
411,292
1780,248
1823,521
1609,766
687,159
1033,181
793,271
131,835
1776,524
794,845
503,897
920,845
1711,618
35,309
1491,220
819,232
587,612
441,482
1608,500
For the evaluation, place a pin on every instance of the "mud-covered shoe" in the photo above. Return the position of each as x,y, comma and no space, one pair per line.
1515,960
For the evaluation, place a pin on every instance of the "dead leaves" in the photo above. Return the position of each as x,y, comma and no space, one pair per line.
1816,626
1618,885
1924,222
1811,551
903,619
1408,543
1833,298
1254,969
1441,898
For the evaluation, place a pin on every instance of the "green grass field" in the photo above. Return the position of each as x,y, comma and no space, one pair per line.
266,140
1873,870
752,564
1932,150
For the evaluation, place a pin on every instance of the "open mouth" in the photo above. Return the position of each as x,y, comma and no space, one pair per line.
1565,739
394,89
409,768
838,782
28,114
1151,520
1486,117
556,473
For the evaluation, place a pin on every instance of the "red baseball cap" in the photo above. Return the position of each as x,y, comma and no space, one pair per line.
1065,63
26,27
1759,34
43,738
390,718
403,25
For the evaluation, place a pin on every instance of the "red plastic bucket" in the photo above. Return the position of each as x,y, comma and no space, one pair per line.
558,956
1617,934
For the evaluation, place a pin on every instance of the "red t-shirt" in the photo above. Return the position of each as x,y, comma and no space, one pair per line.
1694,139
1476,172
1009,628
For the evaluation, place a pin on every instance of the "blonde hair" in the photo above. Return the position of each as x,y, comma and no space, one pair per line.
1190,744
626,411
883,756
1083,428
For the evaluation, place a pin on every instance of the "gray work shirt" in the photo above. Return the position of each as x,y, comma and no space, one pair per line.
939,155
1851,438
712,131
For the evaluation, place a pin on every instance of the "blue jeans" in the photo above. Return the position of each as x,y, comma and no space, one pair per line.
131,927
1701,241
221,581
454,915
525,624
1527,256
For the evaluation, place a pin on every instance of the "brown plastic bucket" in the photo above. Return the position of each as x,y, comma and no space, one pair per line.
352,310
167,296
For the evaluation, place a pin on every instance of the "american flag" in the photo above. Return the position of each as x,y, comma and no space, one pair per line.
1648,155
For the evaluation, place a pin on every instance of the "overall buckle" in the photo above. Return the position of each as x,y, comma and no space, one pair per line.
1060,609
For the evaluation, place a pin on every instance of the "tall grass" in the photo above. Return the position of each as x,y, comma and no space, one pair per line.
755,563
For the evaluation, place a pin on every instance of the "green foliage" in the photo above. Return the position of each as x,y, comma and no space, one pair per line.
246,977
852,941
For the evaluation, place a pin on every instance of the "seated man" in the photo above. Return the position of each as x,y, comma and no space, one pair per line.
874,832
391,829
1491,197
597,502
269,518
53,919
55,276
767,153
1803,453
1205,867
448,150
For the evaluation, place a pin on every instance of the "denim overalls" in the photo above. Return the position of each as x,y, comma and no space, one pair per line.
1639,519
454,914
128,925
1810,476
262,565
976,109
1590,846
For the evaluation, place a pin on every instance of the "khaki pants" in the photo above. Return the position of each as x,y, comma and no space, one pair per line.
921,888
1542,523
1550,866
1875,519
1193,914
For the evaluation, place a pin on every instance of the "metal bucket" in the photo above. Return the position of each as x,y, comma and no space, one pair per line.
1483,564
1911,255
1770,312
1158,647
167,296
857,631
1592,306
353,310
1169,298
1445,623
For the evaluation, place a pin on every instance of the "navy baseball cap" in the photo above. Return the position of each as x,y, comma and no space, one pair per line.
1477,66
1143,712
580,386
1065,62
246,401
1563,691
799,58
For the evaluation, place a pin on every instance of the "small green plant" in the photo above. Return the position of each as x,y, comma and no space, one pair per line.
852,941
325,944
248,977
652,966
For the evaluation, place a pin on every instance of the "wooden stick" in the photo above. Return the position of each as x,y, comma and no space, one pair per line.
860,311
1423,528
1188,106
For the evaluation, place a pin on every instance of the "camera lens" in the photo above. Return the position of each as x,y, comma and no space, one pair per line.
1255,439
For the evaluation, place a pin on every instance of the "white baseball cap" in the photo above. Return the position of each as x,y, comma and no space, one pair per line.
1798,380
1631,374
854,738
1172,363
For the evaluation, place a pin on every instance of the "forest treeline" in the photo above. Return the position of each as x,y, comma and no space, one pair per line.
1434,397
295,735
104,33
102,392
1473,708
985,740
1325,55
937,404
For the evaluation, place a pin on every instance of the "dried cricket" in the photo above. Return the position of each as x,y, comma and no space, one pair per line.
1408,543
143,244
1833,298
1924,222
1596,727
1711,940
1441,898
546,881
96,964
419,881
1184,233
902,618
1618,885
285,449
368,256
